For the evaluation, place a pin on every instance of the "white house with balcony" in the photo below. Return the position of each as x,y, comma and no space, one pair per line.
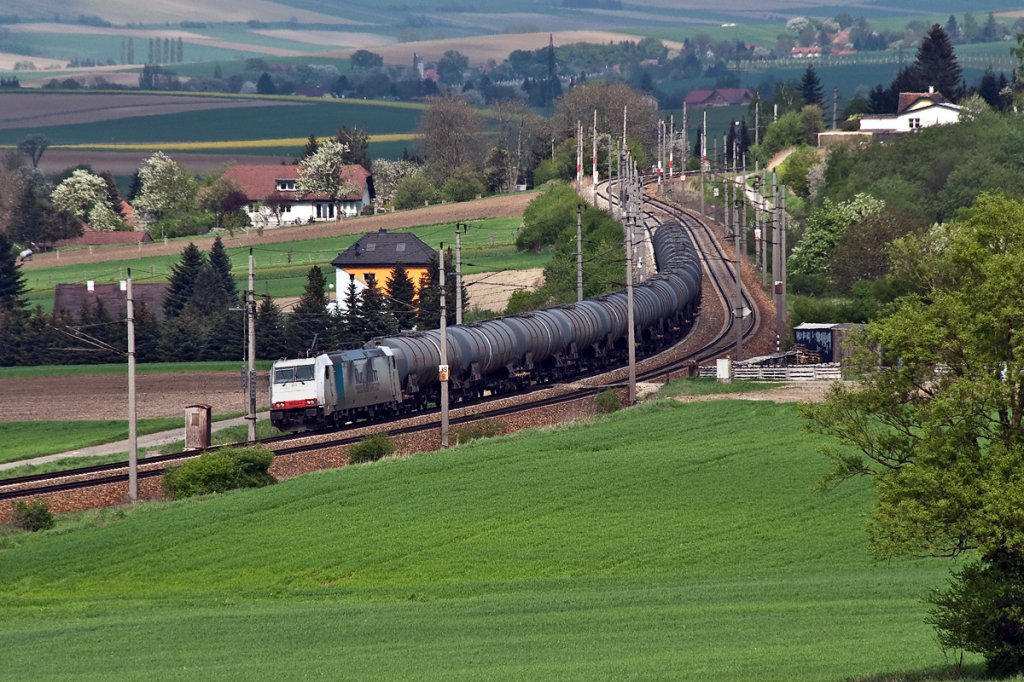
916,110
272,197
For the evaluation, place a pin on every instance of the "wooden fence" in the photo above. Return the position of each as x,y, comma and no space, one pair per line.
822,372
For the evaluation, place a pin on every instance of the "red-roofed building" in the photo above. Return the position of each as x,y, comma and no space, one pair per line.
806,52
91,237
719,97
273,198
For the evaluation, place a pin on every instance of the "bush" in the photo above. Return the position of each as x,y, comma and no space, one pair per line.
219,471
463,186
608,401
33,516
371,448
413,190
483,429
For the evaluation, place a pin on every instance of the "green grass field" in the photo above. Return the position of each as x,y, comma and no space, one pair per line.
671,541
319,117
225,436
23,440
281,268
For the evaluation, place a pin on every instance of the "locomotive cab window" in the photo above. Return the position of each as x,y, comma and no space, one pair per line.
284,375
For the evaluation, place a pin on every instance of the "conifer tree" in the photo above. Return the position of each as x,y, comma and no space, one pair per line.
936,64
271,328
12,281
310,321
429,314
221,263
354,325
401,294
810,87
183,280
376,314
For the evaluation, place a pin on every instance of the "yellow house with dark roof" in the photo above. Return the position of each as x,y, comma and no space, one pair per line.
375,255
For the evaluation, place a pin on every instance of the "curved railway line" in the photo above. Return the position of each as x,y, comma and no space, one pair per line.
721,282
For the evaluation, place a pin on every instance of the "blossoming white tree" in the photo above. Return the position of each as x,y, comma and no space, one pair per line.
84,196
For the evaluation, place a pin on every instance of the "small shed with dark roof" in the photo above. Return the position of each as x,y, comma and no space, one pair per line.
73,299
376,254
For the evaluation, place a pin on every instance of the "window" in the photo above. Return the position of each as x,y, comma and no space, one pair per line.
369,278
400,248
325,210
915,123
284,375
285,185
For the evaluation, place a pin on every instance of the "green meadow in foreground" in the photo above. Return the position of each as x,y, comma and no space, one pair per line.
670,541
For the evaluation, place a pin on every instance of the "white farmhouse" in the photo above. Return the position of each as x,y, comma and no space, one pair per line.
916,110
272,197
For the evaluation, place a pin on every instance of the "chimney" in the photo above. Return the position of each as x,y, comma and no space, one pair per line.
931,89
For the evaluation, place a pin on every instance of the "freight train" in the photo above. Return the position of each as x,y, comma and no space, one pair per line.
399,374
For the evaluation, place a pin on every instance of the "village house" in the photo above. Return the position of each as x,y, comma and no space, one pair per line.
73,299
273,198
916,110
375,255
719,97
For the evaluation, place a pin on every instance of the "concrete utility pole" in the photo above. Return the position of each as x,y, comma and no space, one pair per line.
738,314
133,432
460,229
593,157
671,145
631,340
442,370
579,253
579,156
757,122
776,263
250,310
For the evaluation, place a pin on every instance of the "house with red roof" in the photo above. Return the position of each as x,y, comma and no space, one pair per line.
719,97
273,197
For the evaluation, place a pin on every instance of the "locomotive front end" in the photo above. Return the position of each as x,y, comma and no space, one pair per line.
296,398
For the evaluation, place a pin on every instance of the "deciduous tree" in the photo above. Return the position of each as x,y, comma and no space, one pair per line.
321,172
450,128
939,426
166,187
33,147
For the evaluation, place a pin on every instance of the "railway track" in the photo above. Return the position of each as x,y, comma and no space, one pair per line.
719,274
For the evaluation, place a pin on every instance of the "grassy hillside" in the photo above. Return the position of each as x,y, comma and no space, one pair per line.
674,541
282,268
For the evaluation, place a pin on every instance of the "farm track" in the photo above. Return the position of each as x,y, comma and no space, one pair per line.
712,336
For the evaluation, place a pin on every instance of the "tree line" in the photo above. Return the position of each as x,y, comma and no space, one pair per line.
203,316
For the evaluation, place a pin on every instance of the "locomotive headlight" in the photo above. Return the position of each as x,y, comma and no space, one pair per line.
278,405
311,401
